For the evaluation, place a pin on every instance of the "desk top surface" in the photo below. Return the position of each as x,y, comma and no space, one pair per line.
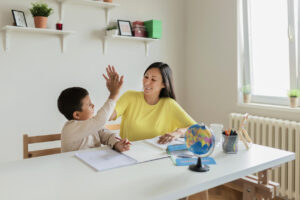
63,176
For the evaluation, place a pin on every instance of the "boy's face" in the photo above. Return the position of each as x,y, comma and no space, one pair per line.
87,109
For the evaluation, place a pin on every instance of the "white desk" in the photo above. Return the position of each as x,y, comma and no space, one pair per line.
63,176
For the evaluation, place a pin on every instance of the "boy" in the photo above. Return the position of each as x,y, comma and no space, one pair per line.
84,131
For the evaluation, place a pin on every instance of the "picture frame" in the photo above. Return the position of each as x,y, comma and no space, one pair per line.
19,18
125,28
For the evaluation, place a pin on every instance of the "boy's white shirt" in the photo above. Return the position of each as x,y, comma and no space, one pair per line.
89,133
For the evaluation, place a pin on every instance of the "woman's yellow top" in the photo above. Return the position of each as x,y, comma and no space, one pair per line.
143,121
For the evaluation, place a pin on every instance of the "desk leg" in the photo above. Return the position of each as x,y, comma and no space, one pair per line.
248,192
263,177
199,196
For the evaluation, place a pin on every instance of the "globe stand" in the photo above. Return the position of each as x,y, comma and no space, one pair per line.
199,167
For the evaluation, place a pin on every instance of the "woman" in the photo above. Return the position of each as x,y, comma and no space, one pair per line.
154,111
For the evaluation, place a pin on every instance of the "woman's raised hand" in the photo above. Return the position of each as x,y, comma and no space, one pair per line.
113,82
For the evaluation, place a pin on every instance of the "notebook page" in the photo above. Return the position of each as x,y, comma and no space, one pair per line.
105,159
143,151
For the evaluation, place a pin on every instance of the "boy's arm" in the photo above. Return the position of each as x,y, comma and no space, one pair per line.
84,128
107,137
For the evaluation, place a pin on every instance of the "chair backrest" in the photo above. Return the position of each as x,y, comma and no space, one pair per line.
113,126
49,138
38,139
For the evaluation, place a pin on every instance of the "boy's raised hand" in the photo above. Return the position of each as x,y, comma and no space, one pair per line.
122,145
113,82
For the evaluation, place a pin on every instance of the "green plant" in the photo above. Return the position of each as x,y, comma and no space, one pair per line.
294,93
246,89
111,28
40,9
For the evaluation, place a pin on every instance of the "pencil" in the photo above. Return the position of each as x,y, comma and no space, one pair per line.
121,139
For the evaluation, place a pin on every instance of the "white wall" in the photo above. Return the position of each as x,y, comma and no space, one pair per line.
211,63
34,71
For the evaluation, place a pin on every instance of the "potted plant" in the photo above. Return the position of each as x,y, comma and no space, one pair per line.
294,94
40,12
246,89
112,30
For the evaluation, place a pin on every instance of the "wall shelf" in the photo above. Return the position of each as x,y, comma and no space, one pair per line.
146,41
61,34
97,3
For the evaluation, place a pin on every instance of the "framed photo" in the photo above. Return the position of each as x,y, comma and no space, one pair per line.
125,28
19,18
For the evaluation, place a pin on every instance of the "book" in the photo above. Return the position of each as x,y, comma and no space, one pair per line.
176,147
107,158
185,157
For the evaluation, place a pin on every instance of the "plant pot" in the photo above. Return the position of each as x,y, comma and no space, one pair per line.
247,98
108,1
294,102
40,22
112,32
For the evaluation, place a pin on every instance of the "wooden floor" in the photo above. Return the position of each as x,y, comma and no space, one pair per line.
222,193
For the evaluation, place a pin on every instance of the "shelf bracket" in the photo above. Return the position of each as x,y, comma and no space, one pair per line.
6,39
62,43
61,9
107,15
104,46
147,48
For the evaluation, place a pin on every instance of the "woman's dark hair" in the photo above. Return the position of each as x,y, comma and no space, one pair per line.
167,76
70,100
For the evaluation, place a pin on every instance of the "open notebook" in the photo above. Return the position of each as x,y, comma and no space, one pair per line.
107,158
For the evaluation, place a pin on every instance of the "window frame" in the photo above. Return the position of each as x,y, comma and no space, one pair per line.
294,45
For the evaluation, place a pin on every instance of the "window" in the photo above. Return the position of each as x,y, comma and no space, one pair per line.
268,37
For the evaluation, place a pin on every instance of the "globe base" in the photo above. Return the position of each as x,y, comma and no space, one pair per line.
199,167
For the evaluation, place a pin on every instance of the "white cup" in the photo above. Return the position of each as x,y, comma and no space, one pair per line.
217,131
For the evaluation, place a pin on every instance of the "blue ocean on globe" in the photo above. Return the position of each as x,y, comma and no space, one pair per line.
200,140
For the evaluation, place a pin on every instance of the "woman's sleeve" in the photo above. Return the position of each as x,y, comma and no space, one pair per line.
181,118
123,103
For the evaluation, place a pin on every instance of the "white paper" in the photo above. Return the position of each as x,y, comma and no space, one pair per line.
154,142
105,159
143,151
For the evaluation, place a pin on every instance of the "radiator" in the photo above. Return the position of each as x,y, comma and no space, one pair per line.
280,134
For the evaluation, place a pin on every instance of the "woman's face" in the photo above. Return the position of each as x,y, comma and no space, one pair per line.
153,82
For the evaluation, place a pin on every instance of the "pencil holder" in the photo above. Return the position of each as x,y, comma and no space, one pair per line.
230,143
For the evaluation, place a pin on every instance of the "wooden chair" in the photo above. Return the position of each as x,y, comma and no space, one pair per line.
49,138
38,139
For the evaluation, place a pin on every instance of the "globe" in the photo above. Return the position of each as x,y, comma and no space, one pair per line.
200,140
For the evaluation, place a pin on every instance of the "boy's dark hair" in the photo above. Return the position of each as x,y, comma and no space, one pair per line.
69,101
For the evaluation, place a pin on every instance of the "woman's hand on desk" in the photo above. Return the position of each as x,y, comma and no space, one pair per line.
122,145
168,137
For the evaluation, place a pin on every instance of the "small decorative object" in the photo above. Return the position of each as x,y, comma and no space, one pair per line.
200,141
153,28
243,134
40,12
230,141
107,1
125,28
59,26
19,18
112,30
139,29
246,89
294,94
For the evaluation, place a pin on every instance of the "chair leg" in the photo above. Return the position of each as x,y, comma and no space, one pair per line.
25,146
